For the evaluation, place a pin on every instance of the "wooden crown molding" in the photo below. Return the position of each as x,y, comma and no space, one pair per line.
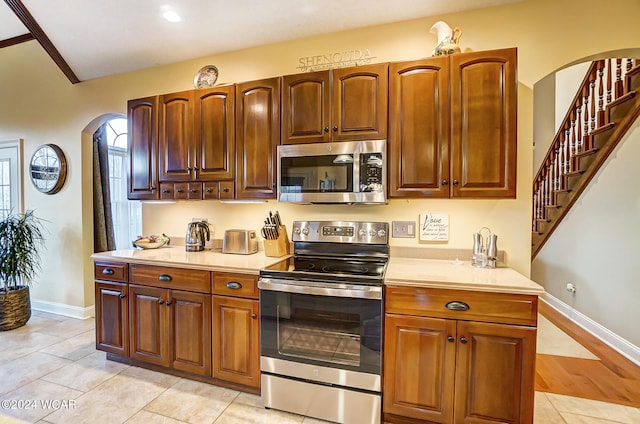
36,32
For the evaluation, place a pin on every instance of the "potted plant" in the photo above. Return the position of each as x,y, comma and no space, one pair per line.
21,241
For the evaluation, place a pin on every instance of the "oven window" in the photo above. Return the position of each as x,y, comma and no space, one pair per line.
316,174
331,331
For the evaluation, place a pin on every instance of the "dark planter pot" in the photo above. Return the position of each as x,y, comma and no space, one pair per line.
15,308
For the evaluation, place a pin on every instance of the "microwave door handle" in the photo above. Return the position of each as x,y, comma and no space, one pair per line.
356,172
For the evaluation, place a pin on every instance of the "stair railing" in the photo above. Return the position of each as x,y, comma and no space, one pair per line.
603,83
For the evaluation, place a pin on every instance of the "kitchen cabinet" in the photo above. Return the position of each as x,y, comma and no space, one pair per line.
142,122
196,134
170,327
336,105
452,126
112,323
236,329
257,138
456,356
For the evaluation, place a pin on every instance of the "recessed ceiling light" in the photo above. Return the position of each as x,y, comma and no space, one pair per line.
170,14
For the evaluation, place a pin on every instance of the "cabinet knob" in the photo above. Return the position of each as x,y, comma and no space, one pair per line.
161,302
164,190
108,271
335,128
193,191
451,339
188,169
463,340
208,190
455,182
169,303
122,296
225,189
254,316
445,182
164,277
456,305
234,285
195,168
179,190
326,129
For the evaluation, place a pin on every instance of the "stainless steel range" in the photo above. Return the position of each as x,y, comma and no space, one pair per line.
321,322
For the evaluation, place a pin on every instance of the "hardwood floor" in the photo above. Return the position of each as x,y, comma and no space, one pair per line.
612,379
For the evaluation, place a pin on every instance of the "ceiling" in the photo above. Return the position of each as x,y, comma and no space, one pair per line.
90,39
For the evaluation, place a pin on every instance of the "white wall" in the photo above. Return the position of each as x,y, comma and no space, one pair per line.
596,246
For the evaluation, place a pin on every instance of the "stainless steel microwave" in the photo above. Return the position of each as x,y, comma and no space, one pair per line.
340,172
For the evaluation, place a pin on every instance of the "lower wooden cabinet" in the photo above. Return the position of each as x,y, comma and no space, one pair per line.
236,340
447,370
171,328
112,328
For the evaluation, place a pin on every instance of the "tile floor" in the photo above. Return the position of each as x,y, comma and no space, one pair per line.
50,372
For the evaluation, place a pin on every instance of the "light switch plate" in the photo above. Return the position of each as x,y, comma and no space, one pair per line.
403,229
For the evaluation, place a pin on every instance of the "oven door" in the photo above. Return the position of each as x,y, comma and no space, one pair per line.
328,325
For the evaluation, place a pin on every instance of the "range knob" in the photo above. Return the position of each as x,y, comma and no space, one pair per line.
382,233
296,230
362,232
305,231
372,233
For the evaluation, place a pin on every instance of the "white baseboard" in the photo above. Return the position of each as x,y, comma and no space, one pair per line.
615,342
63,309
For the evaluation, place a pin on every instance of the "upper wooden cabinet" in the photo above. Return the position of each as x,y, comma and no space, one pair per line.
196,133
337,105
257,137
143,147
453,126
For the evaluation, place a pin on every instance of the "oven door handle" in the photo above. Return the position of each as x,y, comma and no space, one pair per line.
321,289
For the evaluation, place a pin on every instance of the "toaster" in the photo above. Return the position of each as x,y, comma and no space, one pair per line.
242,242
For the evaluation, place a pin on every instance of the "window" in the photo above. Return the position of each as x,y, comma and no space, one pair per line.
10,171
127,214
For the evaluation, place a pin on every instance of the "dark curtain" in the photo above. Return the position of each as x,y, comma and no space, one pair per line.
103,235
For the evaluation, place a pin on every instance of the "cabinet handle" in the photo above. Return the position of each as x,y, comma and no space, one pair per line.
455,182
195,168
188,169
335,128
463,340
326,129
457,306
122,296
208,190
254,316
164,277
451,339
234,285
108,271
179,190
164,190
193,190
161,301
169,303
225,189
445,182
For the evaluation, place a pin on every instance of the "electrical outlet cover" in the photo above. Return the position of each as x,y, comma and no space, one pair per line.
434,227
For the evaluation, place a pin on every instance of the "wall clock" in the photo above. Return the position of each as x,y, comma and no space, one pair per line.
48,169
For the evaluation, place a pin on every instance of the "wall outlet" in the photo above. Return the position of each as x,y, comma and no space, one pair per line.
403,229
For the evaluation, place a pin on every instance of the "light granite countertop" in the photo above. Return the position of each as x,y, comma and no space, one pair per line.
176,256
457,275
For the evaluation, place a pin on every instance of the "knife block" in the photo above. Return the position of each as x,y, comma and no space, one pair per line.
278,247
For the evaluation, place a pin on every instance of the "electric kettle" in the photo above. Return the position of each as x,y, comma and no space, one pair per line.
195,239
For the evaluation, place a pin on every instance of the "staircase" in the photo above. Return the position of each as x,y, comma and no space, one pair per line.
605,106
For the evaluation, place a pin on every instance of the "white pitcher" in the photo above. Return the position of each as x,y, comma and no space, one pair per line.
447,39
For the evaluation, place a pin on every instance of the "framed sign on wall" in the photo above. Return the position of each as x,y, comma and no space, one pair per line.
48,169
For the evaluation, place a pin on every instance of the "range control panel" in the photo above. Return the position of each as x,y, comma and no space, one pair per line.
341,231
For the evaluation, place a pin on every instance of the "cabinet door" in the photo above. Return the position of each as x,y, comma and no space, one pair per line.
257,137
483,130
419,128
419,366
495,373
112,320
360,103
142,121
236,340
149,324
176,136
306,108
215,133
190,331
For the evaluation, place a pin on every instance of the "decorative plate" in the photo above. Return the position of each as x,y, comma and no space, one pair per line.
206,77
150,245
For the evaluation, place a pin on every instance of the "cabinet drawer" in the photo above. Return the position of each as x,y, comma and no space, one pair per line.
172,278
111,271
463,305
240,285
